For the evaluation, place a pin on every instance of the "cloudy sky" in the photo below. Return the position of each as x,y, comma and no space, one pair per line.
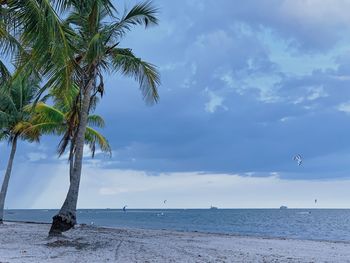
246,85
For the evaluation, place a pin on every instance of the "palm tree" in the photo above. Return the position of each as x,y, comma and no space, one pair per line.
58,120
96,52
14,118
79,50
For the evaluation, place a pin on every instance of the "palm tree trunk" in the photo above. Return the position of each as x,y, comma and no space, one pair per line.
6,180
71,162
66,218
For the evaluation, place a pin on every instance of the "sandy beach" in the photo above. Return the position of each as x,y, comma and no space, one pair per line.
27,242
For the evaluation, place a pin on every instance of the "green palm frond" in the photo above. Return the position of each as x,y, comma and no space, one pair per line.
146,74
96,121
46,113
83,6
66,100
93,137
24,131
15,118
50,41
48,128
3,135
8,42
96,49
141,14
4,73
4,119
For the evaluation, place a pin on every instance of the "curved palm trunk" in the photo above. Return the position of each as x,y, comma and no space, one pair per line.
71,162
66,218
6,180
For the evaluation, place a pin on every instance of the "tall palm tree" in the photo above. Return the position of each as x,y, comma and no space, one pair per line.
80,50
14,118
97,52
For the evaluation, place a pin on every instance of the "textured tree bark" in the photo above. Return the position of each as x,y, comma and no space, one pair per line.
6,180
66,217
71,162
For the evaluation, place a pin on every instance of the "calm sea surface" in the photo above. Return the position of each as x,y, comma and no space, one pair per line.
317,224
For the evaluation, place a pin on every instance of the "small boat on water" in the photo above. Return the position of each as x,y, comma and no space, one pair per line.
213,207
283,207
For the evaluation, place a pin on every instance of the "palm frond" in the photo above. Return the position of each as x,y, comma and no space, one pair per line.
63,5
52,48
141,14
4,73
93,137
96,49
48,128
16,96
96,121
146,74
44,113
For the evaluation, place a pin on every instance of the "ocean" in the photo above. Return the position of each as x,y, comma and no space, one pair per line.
313,224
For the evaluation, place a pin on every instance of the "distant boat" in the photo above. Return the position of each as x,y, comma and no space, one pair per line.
213,207
283,207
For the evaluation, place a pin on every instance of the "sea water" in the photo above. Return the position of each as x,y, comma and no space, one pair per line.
314,224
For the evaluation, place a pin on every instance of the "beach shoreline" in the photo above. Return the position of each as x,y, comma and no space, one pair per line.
29,242
260,236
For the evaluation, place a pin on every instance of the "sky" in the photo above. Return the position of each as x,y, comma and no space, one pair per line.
246,85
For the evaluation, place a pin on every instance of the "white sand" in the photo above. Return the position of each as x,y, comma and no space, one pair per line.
23,242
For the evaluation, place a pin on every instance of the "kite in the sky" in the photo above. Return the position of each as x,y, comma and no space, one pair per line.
298,159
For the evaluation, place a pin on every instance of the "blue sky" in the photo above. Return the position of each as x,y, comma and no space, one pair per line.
246,85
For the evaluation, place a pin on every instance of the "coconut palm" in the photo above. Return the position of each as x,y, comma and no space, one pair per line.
80,50
59,120
14,119
96,52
